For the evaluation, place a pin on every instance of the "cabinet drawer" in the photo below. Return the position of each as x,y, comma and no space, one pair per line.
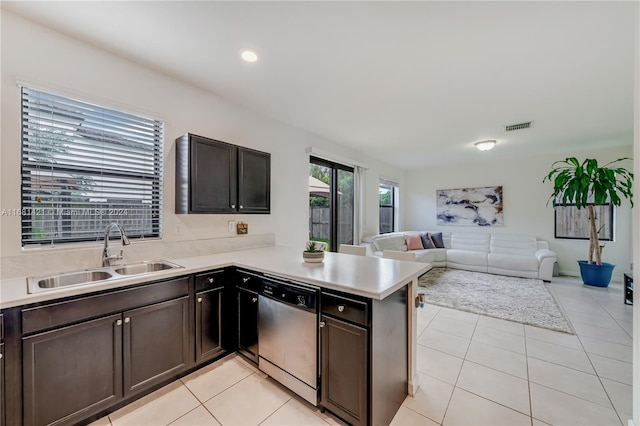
84,308
344,308
249,281
211,279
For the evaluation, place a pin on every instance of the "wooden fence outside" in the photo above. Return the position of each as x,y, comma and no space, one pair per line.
320,220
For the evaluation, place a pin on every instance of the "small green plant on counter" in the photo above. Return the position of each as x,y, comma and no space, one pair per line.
313,247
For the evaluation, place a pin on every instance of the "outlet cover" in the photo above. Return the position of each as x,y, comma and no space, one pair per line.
232,227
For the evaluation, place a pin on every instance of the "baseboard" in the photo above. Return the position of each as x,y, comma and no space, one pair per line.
414,385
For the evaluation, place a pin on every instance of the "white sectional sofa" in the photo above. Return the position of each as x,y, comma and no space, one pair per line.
503,254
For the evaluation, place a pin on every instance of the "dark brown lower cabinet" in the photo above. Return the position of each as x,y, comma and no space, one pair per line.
1,384
209,333
248,323
72,372
364,374
344,370
156,343
1,370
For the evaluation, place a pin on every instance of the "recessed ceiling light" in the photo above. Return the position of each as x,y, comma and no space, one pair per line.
249,55
485,145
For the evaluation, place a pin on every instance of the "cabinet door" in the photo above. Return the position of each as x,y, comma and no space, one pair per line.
213,182
156,343
254,181
209,324
248,323
72,372
344,370
2,384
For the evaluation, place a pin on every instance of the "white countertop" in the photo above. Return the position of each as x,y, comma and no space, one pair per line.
370,277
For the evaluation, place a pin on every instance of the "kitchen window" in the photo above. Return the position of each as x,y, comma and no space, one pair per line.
85,166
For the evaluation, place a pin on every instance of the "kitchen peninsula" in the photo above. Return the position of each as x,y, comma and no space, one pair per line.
372,282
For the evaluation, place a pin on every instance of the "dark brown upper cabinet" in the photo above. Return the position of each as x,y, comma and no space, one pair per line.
218,177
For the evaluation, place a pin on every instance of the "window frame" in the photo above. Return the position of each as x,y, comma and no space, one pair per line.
393,187
334,167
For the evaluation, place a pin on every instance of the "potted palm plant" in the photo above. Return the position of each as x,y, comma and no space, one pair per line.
586,185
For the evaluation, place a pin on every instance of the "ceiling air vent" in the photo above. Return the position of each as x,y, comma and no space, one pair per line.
519,126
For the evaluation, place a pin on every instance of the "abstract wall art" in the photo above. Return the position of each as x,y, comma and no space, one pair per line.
469,206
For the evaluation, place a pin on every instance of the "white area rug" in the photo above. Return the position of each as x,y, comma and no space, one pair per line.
523,300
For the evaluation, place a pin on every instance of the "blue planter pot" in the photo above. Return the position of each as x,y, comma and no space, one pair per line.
596,275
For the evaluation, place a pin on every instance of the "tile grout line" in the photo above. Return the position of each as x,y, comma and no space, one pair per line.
201,403
472,362
275,411
526,362
613,407
455,385
594,368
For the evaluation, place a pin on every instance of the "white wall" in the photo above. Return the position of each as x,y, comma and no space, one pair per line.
43,58
525,203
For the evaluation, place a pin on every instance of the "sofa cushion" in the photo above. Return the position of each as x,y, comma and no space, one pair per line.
427,242
477,242
466,257
514,273
513,262
439,255
425,255
414,242
521,245
390,242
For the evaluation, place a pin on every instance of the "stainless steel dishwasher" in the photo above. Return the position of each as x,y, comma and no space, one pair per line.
288,336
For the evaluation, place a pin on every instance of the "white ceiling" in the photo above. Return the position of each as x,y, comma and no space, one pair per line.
410,83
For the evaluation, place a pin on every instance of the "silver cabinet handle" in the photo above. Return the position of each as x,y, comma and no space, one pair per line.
241,206
199,299
322,324
254,300
340,308
246,279
233,206
126,320
0,356
210,280
119,322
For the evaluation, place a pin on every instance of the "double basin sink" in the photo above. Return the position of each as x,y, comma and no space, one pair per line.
94,276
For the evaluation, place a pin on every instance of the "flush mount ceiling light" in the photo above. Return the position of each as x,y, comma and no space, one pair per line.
249,55
485,145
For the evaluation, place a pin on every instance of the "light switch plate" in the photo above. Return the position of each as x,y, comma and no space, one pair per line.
232,226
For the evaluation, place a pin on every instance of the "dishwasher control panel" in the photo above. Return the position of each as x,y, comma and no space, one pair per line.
290,293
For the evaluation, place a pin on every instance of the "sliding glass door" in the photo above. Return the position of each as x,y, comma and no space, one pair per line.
331,203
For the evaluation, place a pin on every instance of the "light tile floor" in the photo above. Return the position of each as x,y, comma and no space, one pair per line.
474,370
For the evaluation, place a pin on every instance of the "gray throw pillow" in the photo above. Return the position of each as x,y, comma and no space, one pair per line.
437,239
426,241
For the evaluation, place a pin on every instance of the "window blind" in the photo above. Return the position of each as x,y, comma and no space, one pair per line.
85,166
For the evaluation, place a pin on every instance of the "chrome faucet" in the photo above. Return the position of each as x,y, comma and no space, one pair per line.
107,257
